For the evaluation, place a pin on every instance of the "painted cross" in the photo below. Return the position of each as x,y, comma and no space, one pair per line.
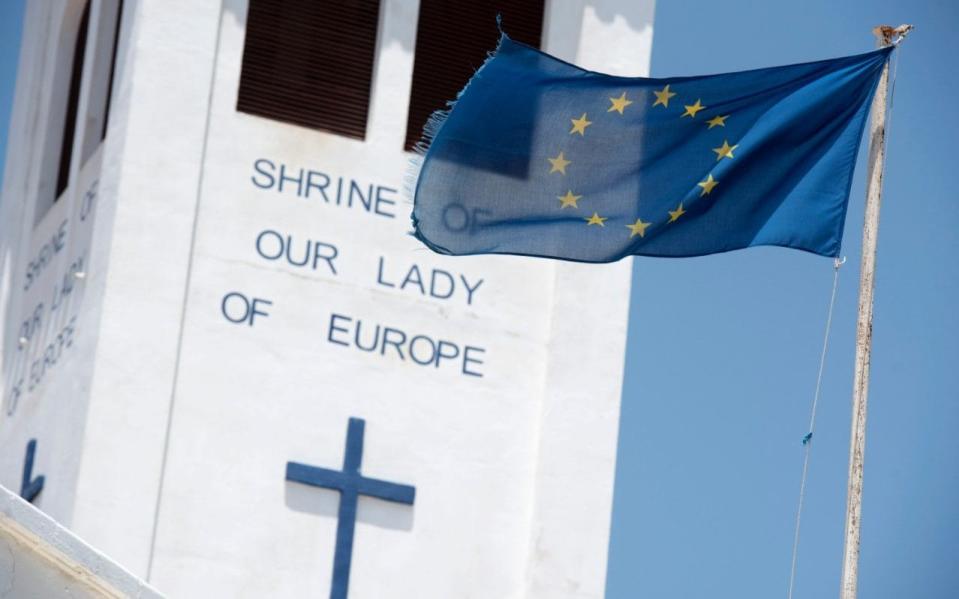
351,484
30,487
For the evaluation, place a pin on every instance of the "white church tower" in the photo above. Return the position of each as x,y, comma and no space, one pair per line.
226,364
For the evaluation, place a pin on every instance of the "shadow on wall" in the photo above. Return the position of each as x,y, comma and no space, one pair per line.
326,502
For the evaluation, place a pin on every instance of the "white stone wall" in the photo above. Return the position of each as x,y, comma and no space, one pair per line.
165,439
51,270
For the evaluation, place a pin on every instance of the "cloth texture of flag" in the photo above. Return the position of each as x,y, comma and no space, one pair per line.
539,157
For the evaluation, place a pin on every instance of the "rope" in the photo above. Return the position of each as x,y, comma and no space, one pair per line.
807,438
900,33
892,87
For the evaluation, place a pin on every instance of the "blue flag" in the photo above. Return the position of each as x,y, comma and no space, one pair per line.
539,157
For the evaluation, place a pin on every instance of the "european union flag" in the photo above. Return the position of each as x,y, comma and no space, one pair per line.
541,158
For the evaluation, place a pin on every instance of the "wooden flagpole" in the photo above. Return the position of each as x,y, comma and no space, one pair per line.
857,443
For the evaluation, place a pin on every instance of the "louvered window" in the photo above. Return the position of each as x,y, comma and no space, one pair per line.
100,91
118,17
73,100
452,40
310,63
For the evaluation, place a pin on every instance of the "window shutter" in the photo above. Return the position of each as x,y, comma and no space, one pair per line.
310,63
113,66
70,122
453,39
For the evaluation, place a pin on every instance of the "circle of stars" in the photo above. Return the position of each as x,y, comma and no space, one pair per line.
559,163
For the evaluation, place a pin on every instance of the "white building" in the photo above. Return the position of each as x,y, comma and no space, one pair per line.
206,274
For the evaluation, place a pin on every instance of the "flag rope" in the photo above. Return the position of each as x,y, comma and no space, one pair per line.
807,438
892,86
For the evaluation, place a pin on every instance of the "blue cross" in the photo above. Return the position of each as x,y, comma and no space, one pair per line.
351,484
30,487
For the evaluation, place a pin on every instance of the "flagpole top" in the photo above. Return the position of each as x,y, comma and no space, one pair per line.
891,36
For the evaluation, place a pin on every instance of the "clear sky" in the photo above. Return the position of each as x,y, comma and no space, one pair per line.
11,21
723,350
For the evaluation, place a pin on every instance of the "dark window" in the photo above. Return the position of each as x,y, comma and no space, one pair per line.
453,39
70,123
310,63
113,66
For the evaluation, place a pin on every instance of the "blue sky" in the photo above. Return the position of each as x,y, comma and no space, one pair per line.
11,21
723,350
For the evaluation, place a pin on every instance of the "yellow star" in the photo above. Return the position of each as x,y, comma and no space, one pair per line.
596,219
579,125
619,103
559,164
675,214
717,121
707,185
726,151
638,228
663,96
569,199
692,109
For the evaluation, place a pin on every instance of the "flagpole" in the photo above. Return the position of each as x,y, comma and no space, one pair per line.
857,443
